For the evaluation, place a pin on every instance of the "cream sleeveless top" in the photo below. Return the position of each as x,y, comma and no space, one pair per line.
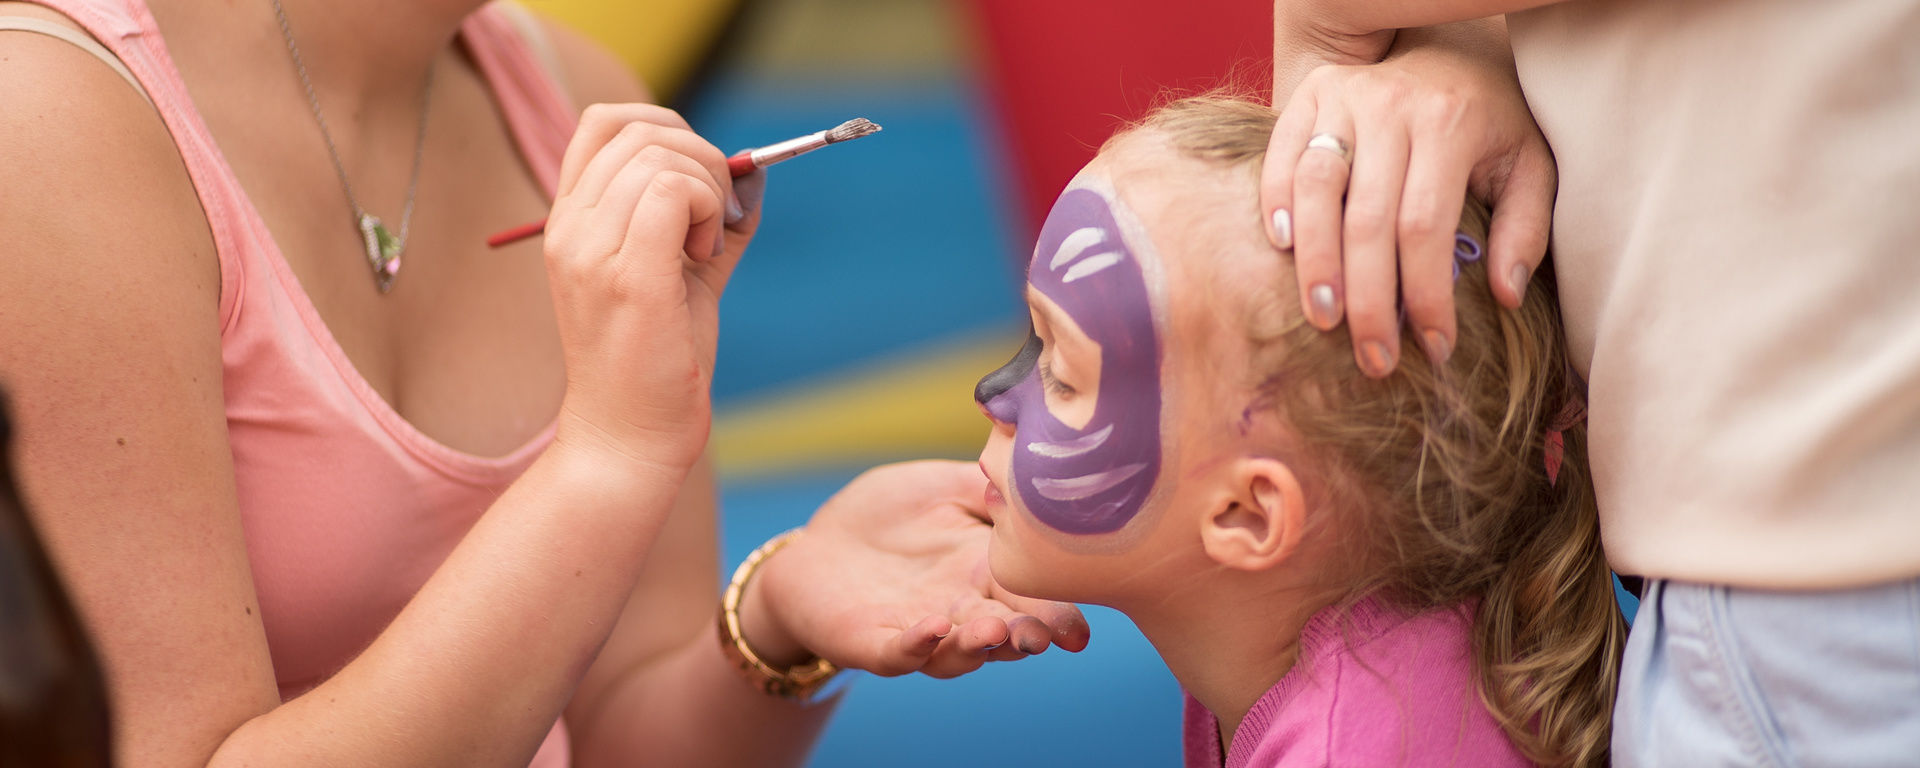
1738,245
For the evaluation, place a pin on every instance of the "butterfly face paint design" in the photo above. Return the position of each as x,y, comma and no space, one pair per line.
1090,479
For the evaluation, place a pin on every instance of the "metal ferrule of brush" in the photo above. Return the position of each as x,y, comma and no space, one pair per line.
773,153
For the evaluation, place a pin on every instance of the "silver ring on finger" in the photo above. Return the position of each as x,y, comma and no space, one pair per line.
1334,144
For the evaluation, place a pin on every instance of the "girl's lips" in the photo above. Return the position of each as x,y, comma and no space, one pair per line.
991,494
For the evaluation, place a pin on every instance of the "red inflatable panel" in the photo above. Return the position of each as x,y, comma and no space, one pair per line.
1063,74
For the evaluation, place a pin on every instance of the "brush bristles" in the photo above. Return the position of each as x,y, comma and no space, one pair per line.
852,129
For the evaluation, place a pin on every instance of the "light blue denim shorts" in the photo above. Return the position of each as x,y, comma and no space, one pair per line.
1718,676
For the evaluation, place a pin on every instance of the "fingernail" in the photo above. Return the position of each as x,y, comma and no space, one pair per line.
750,191
1375,359
1518,277
1323,304
996,645
719,243
735,212
1029,648
1282,229
1438,348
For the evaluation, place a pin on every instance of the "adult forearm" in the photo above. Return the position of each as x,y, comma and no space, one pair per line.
1311,33
480,662
1359,17
1305,38
692,709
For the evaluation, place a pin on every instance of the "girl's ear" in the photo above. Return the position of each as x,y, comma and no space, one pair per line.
1259,521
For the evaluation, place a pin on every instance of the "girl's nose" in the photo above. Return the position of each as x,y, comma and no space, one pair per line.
993,393
1007,376
1002,413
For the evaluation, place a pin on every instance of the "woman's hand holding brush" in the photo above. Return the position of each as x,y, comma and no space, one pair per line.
644,233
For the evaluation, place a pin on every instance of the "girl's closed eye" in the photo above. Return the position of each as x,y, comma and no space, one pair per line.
1054,385
1068,364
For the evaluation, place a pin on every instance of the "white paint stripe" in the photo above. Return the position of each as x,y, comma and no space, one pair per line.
1091,265
1076,244
1077,488
1070,448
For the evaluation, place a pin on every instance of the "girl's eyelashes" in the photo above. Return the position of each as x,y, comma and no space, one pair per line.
1057,387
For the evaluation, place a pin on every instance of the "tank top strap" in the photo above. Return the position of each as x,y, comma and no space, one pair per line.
512,52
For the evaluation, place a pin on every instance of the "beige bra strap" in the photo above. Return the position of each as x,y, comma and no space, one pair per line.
80,40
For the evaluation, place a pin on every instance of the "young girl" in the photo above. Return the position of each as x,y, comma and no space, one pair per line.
1339,570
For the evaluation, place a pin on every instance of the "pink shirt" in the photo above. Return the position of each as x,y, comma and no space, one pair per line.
1373,688
346,508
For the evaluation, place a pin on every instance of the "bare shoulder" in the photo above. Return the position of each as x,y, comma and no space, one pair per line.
594,75
110,351
109,311
96,200
88,158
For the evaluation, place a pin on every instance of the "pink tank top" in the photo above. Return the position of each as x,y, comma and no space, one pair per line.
347,509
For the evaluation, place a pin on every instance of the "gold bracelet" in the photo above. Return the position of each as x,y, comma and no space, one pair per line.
799,682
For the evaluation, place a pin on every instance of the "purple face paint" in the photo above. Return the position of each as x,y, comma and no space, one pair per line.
1092,479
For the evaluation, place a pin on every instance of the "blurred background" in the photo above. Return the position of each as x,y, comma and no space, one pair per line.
885,280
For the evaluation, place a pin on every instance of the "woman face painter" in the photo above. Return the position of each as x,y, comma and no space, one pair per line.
327,477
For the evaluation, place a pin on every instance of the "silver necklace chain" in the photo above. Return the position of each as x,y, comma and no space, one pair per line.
383,249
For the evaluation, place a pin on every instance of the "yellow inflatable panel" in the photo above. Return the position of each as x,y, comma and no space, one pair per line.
912,408
661,39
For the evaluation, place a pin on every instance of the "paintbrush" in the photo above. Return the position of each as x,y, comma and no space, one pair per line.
740,164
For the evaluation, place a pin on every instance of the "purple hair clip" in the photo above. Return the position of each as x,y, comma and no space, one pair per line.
1466,250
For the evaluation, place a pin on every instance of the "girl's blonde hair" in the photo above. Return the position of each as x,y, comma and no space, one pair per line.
1444,472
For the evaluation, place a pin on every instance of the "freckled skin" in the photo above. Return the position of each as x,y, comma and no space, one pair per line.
1092,479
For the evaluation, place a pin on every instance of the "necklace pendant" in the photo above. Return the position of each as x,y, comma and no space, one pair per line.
383,251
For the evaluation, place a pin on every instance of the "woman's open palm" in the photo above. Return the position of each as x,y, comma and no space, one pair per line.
891,576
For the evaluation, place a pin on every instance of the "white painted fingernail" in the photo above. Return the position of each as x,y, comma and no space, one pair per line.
1282,229
1321,297
1438,347
735,212
1377,362
1519,275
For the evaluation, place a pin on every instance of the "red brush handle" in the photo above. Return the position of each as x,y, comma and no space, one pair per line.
739,165
516,234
